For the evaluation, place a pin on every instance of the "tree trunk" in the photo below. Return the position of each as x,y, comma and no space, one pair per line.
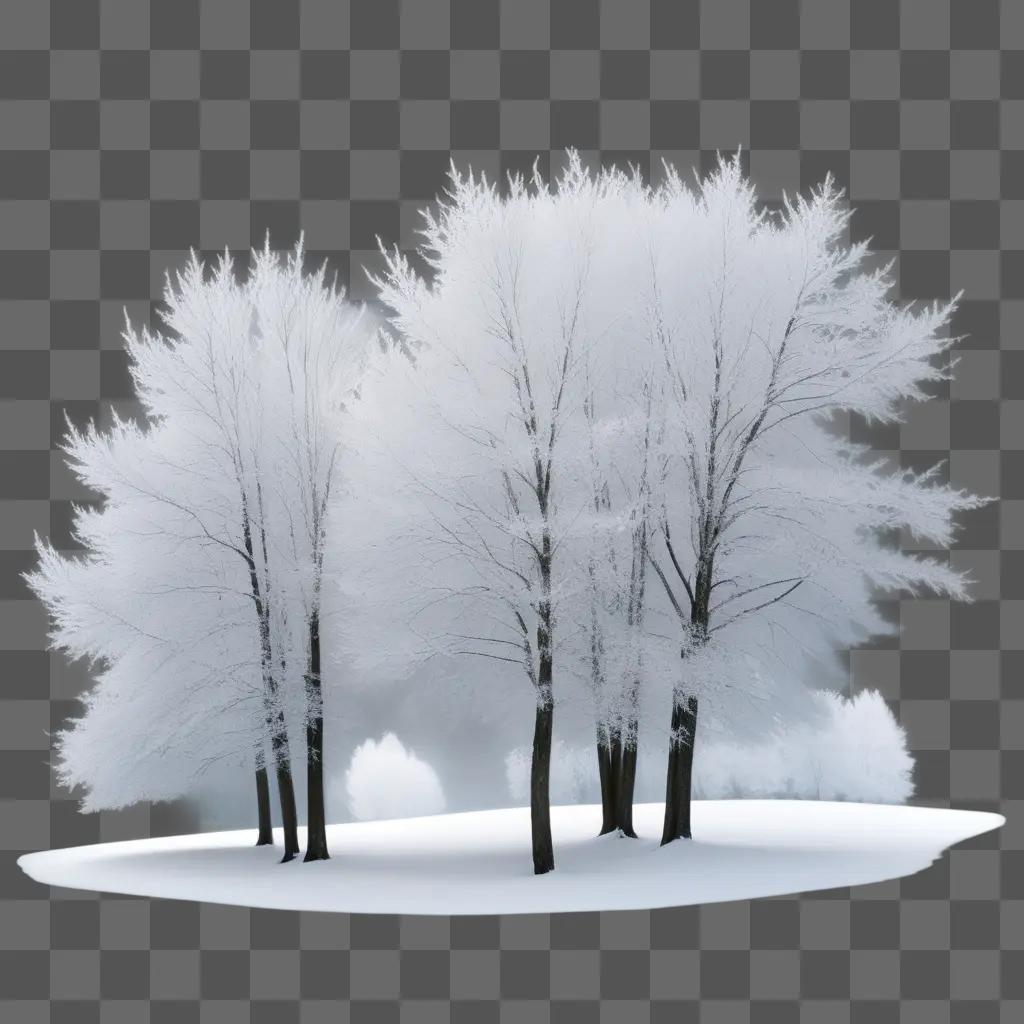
279,746
540,769
627,784
281,752
316,822
671,822
604,768
616,762
679,780
286,796
616,772
689,722
540,779
266,833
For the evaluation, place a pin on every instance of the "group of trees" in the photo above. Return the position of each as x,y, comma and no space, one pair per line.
201,589
593,459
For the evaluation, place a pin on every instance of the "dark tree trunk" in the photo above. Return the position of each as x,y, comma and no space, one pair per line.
616,762
604,768
627,784
286,796
616,772
281,752
628,732
670,825
279,745
678,783
316,822
540,769
266,833
540,779
679,780
689,721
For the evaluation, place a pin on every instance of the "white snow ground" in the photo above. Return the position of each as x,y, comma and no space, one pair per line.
479,862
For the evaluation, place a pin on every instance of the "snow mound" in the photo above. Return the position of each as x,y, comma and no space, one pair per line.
479,862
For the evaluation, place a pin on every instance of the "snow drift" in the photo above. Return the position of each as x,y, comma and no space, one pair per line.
479,863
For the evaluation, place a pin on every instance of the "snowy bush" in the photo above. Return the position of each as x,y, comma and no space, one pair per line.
847,750
385,780
856,750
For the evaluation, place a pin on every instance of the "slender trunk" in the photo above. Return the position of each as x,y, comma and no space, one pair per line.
670,826
616,762
275,720
616,772
286,792
603,730
630,729
627,784
316,822
540,769
629,748
679,779
540,777
689,722
266,830
604,768
281,753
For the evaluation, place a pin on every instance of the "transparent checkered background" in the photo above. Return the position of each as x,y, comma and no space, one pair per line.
131,131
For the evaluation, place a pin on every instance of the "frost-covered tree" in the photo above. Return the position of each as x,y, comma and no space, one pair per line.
176,690
160,606
609,441
613,557
769,524
224,498
312,351
477,417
